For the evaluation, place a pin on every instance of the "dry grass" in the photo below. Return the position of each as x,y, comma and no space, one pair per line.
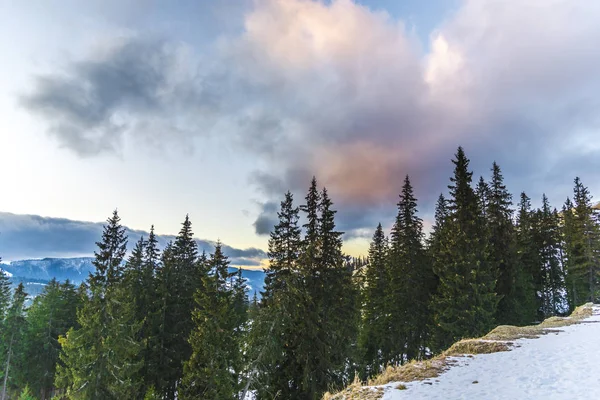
413,371
509,332
356,391
498,339
477,346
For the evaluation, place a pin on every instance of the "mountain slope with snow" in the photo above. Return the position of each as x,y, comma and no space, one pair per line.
559,365
78,269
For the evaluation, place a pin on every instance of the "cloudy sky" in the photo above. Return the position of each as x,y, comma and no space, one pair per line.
215,109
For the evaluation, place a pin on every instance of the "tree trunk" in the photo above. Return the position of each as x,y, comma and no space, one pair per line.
7,367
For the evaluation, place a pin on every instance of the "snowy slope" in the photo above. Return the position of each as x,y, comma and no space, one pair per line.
552,367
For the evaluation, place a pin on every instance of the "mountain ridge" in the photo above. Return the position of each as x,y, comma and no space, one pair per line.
77,269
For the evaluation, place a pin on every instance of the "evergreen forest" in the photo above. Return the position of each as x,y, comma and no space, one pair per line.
175,323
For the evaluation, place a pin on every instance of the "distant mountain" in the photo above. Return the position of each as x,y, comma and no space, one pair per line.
77,270
25,237
74,269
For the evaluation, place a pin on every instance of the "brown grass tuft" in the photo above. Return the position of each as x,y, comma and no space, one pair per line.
413,371
477,346
356,391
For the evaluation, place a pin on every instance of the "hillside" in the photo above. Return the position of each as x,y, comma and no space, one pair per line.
554,360
35,273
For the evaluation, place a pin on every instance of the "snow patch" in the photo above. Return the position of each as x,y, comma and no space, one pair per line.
553,367
6,273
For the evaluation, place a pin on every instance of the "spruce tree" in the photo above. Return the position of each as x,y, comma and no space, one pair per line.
437,253
374,333
465,303
167,369
511,285
4,295
548,239
434,241
12,337
50,316
284,248
411,281
148,302
313,316
582,243
339,303
484,195
101,357
528,258
214,368
180,276
310,243
273,368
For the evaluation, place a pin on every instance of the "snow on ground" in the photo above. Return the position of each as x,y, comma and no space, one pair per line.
555,366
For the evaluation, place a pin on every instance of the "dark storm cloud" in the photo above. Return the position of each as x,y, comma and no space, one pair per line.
83,104
32,236
267,218
336,90
144,87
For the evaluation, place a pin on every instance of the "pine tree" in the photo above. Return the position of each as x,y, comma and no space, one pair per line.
582,243
26,394
12,336
437,253
214,368
339,303
179,277
50,316
272,339
148,302
109,257
437,231
511,285
140,292
484,195
374,334
4,295
101,358
528,258
284,248
326,301
312,317
411,281
167,369
549,245
310,244
465,303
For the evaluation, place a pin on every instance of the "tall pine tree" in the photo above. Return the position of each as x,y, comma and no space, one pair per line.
411,282
12,337
273,337
582,237
548,238
101,358
374,333
528,257
466,302
511,283
50,316
215,366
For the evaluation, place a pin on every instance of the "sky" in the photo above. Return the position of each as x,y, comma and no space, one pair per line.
216,109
